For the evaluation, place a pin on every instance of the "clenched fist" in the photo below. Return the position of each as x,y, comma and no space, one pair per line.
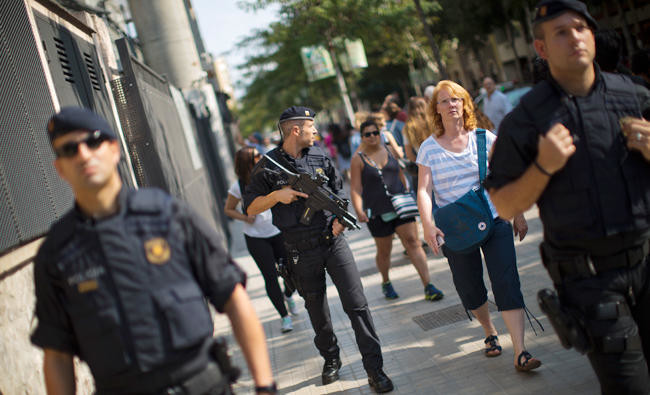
555,148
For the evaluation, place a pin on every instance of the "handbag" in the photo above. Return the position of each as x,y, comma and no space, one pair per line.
468,221
403,203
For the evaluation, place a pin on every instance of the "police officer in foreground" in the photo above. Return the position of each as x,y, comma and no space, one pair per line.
317,247
577,146
121,282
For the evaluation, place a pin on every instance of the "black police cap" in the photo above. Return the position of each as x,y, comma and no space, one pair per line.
77,118
297,112
549,9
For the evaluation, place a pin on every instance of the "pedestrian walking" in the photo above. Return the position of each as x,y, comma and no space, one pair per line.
263,240
375,177
577,146
317,247
449,167
122,277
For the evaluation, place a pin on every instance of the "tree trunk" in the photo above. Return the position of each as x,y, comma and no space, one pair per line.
481,63
528,27
423,54
511,39
432,42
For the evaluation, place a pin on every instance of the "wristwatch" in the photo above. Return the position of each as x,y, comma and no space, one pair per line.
271,389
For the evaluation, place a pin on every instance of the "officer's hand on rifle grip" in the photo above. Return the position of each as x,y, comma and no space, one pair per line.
287,195
337,228
555,148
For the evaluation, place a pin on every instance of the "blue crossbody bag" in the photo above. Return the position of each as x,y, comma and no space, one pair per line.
468,221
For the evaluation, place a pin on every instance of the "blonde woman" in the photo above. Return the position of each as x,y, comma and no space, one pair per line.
448,168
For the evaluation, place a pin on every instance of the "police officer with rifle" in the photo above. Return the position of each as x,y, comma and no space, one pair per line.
578,147
299,183
122,281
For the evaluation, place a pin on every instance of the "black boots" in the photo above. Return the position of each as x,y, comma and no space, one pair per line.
377,379
379,382
331,370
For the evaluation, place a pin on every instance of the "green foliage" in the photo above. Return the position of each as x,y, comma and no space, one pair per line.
277,72
385,27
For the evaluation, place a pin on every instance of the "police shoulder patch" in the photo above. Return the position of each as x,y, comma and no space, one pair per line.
157,250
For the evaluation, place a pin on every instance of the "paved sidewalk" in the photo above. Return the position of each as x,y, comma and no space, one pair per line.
446,358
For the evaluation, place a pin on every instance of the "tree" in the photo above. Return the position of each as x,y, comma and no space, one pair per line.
277,74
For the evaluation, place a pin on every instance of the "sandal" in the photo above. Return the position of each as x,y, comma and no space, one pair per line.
492,349
529,364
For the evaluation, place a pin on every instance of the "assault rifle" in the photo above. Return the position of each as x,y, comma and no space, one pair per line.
319,197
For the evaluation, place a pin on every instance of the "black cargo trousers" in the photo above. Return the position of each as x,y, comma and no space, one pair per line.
314,258
618,358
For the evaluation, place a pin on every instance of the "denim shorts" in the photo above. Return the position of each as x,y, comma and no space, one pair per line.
501,263
379,228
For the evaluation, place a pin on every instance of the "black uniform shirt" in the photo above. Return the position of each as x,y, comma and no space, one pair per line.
286,217
599,144
127,293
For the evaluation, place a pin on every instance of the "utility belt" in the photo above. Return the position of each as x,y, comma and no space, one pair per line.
208,381
573,331
564,266
214,379
307,241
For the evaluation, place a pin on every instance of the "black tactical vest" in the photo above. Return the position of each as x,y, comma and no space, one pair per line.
127,285
604,189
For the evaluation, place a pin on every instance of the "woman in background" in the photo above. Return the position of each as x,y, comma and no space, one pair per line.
374,174
263,239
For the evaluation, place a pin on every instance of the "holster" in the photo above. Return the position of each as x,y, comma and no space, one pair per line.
219,351
284,270
568,324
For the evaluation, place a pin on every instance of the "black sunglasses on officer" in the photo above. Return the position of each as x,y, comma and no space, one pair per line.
93,141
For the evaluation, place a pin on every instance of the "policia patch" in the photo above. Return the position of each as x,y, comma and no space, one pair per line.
157,250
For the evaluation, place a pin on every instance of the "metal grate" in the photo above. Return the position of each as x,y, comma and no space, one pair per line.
155,135
446,316
31,194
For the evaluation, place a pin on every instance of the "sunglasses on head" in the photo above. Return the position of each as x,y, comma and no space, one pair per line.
92,141
368,134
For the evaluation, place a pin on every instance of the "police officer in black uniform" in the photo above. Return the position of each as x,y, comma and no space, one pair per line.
577,146
317,247
121,282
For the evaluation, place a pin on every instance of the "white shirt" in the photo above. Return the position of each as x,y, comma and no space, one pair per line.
454,173
263,226
496,107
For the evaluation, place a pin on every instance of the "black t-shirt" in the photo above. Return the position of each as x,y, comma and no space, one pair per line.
516,148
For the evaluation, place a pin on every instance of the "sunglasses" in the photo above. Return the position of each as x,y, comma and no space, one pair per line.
368,134
93,141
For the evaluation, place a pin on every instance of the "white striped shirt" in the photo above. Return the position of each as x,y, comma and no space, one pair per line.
453,173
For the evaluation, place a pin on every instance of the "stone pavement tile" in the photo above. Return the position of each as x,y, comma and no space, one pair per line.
444,360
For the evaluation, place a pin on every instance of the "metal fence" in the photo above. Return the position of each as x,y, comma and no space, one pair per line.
162,139
163,136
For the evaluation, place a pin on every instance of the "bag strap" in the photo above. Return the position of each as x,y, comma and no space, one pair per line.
482,155
482,162
374,164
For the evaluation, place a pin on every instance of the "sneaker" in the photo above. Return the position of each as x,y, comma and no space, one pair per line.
287,325
291,305
432,293
388,290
